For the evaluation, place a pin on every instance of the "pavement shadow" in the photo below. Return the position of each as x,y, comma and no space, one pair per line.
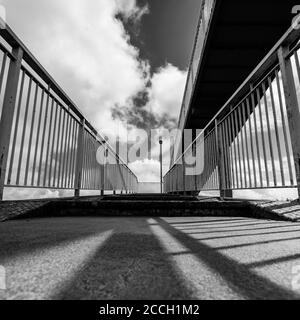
268,225
249,244
129,265
215,230
239,276
41,234
224,220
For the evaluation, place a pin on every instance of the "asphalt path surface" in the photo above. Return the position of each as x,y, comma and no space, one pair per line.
150,258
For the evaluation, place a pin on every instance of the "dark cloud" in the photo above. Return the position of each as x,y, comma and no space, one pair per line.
137,113
166,34
147,34
141,99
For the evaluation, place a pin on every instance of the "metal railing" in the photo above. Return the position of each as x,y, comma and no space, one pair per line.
206,12
254,140
45,141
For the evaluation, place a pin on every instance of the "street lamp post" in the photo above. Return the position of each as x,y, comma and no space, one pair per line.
103,170
160,160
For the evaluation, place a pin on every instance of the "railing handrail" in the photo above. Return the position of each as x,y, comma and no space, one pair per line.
203,4
267,63
13,40
192,55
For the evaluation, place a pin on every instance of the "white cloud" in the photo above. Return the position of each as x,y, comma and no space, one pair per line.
26,194
130,10
85,48
268,194
167,90
147,170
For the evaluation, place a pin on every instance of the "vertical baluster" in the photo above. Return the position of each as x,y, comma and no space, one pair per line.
209,159
31,135
23,133
48,146
226,161
234,148
256,136
240,128
61,150
70,170
66,151
284,128
37,137
269,134
276,132
43,140
79,158
238,147
251,143
64,148
53,145
263,137
230,162
59,133
85,160
244,121
15,134
76,135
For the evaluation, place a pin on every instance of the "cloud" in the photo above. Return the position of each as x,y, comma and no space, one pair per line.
88,52
130,11
158,105
168,85
147,170
85,48
26,194
268,194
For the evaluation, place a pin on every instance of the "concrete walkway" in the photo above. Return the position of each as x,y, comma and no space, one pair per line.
150,258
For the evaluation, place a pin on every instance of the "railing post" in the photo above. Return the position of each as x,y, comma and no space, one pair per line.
228,192
105,155
161,163
8,109
223,165
183,165
293,113
183,175
220,157
79,158
103,174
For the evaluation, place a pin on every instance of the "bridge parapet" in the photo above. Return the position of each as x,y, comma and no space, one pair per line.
45,140
206,12
253,142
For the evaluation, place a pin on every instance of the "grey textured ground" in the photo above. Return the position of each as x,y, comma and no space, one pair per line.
161,258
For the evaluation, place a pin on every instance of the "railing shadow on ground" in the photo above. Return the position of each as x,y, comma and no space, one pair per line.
134,262
139,261
128,266
31,236
239,276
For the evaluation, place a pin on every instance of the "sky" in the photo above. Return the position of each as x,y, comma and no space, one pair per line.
166,33
120,61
